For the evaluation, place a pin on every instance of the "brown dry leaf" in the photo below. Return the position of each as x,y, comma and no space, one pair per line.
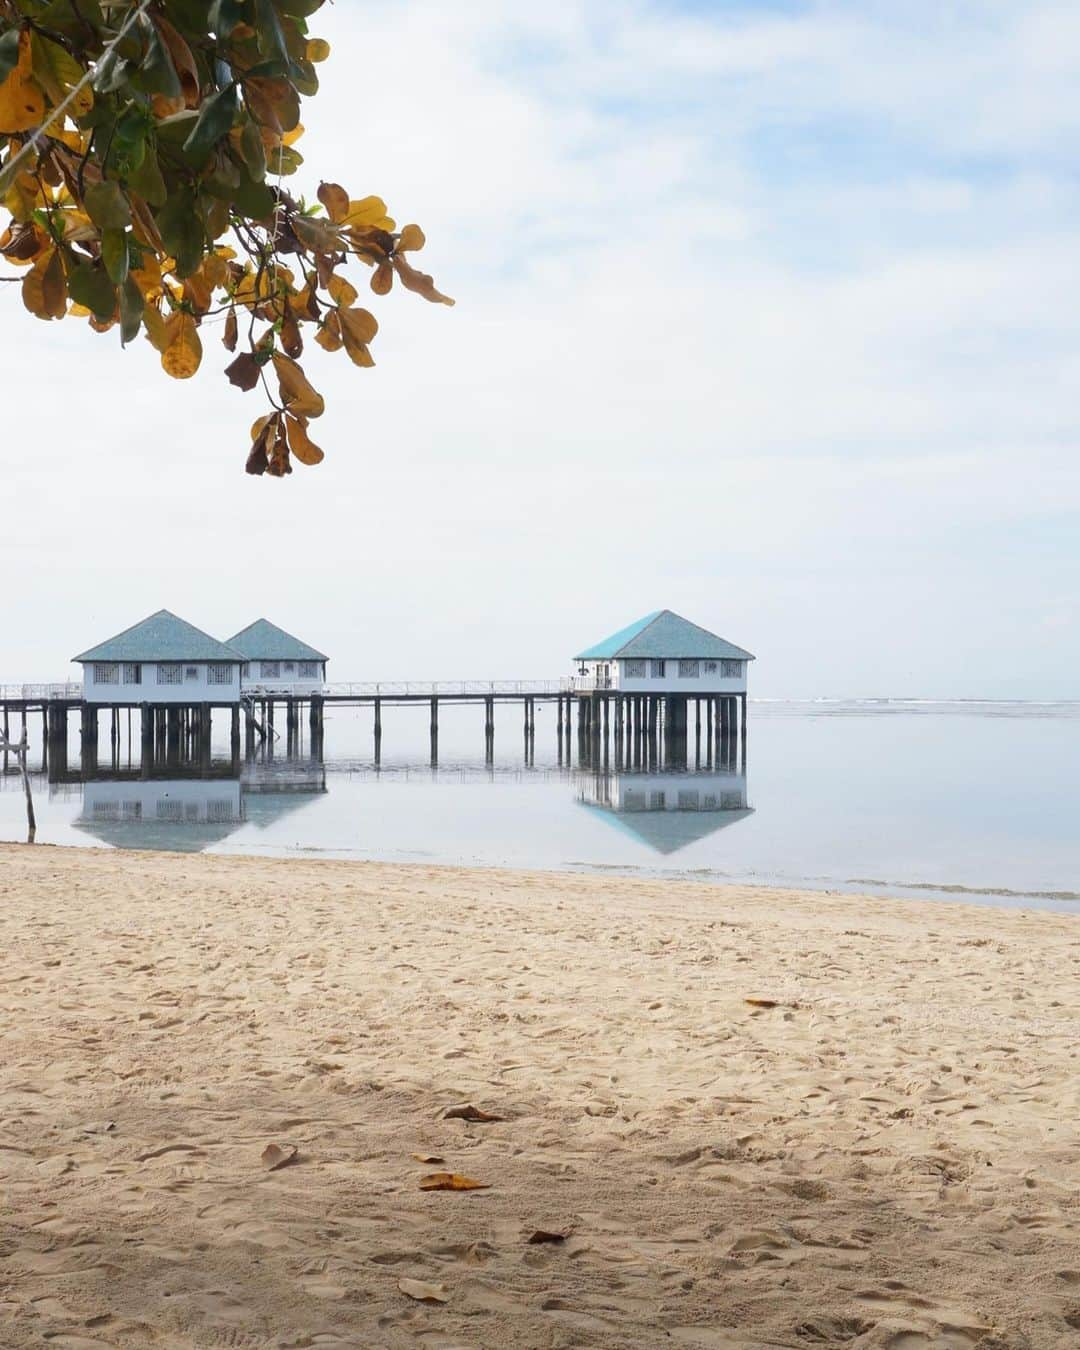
244,371
329,335
431,1158
468,1112
424,1292
230,335
451,1181
300,443
411,239
762,1002
543,1235
297,394
419,282
336,200
275,1156
382,279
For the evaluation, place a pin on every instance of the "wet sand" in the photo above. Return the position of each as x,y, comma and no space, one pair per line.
760,1118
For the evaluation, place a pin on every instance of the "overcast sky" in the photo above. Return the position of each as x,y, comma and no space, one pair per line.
767,313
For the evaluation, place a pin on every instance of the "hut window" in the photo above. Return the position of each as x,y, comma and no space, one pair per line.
290,667
636,670
689,670
710,667
132,673
219,672
170,672
106,672
245,669
270,670
309,670
731,670
659,670
191,672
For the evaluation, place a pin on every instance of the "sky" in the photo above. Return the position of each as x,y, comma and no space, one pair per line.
767,313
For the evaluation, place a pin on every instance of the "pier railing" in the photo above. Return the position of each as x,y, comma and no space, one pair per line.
38,693
442,688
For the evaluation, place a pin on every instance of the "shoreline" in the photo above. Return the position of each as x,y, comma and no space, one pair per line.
869,888
762,1116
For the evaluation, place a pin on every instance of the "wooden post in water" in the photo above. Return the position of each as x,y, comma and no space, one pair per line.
434,732
234,736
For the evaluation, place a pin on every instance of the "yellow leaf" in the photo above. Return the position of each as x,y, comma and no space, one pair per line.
291,137
24,194
22,104
382,279
411,240
329,335
156,328
300,443
317,50
296,393
182,356
361,323
336,200
342,292
44,289
369,211
451,1181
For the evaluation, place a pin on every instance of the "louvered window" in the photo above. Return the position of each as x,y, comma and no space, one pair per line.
689,670
270,670
731,670
636,670
132,673
106,672
219,672
659,670
170,672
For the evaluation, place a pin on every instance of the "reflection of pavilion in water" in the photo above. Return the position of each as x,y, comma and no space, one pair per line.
189,813
666,811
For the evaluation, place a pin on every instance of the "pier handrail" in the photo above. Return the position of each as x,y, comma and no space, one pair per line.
39,693
440,688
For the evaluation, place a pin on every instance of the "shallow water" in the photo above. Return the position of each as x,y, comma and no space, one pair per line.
968,801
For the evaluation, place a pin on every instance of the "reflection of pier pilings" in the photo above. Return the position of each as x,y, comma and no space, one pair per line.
652,731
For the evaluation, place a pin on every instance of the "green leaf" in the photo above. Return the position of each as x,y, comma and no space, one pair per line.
225,15
107,206
132,308
89,285
215,121
253,150
156,73
271,36
114,254
147,181
9,53
182,231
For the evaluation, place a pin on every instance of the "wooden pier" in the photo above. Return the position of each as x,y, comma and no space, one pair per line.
629,730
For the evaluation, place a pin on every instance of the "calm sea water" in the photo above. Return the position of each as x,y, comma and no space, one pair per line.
964,801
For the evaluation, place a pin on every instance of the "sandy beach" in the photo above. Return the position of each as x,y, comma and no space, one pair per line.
753,1118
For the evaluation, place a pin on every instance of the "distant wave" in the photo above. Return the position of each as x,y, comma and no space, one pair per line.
956,889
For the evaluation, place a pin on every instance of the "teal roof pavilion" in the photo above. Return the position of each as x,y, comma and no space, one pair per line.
265,641
161,637
664,634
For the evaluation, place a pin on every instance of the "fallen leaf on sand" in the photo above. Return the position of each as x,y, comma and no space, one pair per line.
424,1292
469,1112
451,1181
432,1158
274,1156
542,1235
762,1002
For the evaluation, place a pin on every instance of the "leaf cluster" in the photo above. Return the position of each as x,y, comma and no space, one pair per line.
144,148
